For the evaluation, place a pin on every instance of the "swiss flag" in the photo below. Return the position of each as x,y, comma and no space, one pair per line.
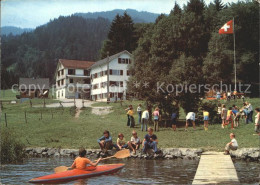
227,28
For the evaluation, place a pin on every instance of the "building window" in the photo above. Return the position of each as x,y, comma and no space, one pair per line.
103,84
128,73
86,81
71,80
71,71
116,72
124,61
116,83
95,86
86,73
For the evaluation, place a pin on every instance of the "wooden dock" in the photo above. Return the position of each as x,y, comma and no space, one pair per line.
215,168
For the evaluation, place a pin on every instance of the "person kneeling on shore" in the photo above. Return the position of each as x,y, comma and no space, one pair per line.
105,142
150,141
231,145
135,142
82,162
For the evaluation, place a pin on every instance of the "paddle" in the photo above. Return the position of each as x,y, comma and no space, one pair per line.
119,155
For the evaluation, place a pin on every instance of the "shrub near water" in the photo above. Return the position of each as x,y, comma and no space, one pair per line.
12,150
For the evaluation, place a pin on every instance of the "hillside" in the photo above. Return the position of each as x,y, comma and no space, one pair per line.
138,17
35,54
6,30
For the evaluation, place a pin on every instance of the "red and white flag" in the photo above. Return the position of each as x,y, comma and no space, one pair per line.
227,28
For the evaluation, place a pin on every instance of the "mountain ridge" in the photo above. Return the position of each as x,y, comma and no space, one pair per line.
137,16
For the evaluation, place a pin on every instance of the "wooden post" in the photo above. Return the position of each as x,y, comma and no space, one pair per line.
83,103
5,120
74,102
25,117
44,103
31,103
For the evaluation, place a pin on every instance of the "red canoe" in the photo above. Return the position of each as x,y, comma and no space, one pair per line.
78,174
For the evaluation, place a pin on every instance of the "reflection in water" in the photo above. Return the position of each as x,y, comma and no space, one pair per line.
136,171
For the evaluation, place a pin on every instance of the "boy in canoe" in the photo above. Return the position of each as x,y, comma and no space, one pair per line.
105,142
81,162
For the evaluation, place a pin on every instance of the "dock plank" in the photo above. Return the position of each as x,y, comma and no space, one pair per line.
215,168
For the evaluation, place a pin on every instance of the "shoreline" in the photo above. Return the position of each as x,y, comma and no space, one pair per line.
249,154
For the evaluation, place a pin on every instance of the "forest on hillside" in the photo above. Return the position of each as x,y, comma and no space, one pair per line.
35,54
183,46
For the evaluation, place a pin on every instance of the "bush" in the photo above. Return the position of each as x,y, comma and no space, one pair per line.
12,150
211,107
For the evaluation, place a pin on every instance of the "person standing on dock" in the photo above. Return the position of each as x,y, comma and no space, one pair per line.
231,145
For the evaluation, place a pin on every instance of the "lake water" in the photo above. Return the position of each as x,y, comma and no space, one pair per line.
136,171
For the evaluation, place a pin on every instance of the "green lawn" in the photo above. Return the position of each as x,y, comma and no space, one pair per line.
66,131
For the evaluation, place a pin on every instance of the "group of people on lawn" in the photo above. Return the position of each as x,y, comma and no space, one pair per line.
150,141
233,114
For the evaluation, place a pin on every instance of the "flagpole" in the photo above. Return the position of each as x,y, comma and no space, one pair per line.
235,65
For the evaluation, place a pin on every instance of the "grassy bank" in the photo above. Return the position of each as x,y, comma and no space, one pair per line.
58,127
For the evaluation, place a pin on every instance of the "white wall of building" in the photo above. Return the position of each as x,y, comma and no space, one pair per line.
114,65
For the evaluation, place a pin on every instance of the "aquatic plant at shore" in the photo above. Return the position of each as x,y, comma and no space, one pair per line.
12,149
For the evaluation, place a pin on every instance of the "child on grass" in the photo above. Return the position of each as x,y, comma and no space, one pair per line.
257,121
130,113
190,118
223,115
156,115
206,119
174,120
231,145
229,117
135,142
121,143
81,162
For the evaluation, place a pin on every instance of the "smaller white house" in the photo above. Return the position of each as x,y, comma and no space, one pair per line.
109,76
73,79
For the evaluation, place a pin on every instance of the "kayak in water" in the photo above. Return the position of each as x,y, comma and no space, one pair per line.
75,174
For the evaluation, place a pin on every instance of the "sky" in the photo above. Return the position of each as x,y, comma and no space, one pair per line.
32,13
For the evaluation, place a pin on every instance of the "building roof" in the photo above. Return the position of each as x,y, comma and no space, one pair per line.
76,64
32,83
104,61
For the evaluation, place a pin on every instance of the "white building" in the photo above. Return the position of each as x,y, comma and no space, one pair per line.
118,76
73,79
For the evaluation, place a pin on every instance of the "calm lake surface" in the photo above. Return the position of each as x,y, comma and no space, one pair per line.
136,171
